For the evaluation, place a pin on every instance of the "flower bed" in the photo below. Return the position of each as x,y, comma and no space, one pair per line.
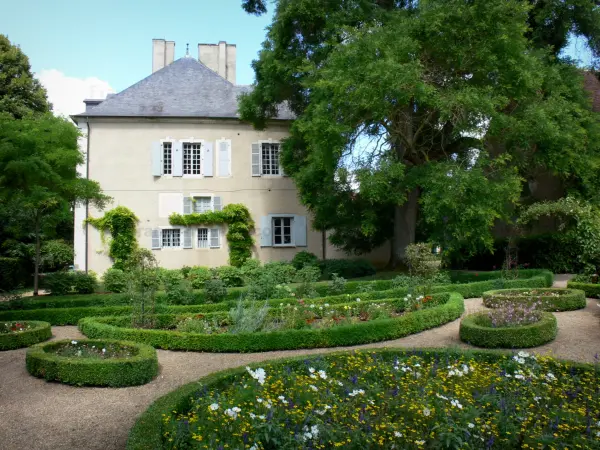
93,362
591,290
450,308
23,334
382,399
552,299
477,329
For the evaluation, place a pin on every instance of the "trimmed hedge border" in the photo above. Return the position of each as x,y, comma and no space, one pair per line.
146,434
361,333
70,316
40,332
525,336
113,372
571,300
591,290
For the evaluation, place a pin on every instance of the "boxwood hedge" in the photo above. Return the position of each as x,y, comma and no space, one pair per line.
474,331
569,299
591,290
139,369
361,333
69,316
40,331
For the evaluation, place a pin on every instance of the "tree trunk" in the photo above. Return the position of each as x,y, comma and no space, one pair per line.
36,273
405,224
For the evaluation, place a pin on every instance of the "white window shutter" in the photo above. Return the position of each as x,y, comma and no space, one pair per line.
156,239
266,238
224,149
217,204
187,238
207,159
256,159
299,231
215,238
187,205
157,160
177,158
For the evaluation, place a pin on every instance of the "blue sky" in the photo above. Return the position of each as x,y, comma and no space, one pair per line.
80,49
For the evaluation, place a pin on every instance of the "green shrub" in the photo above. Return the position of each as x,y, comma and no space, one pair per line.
304,258
355,334
568,300
591,290
84,283
347,268
475,331
114,280
198,275
337,285
262,287
36,332
250,269
248,318
421,261
142,367
231,276
283,272
13,273
169,276
58,283
214,290
307,276
179,292
56,255
185,271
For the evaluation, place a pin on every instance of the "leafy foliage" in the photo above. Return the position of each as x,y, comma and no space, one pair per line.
142,284
240,226
56,255
114,280
62,283
214,290
121,223
304,258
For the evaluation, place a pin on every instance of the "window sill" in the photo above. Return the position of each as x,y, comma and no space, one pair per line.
284,246
193,176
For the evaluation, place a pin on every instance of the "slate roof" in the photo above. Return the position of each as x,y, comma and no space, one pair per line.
184,88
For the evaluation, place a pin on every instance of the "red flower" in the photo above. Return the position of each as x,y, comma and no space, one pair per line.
476,274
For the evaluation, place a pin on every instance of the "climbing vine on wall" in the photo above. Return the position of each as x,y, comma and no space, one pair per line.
121,223
240,225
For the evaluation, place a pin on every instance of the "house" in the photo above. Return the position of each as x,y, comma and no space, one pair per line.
173,143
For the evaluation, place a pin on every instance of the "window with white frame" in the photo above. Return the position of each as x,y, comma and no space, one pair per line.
202,204
282,231
270,158
167,149
171,238
202,237
192,153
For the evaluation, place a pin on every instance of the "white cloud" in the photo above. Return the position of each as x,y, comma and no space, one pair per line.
67,93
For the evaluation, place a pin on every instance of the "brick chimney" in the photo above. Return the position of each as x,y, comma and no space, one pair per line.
163,53
219,57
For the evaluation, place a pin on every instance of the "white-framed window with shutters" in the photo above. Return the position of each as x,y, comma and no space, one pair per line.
201,203
203,239
192,157
182,158
283,230
266,159
208,238
167,158
171,238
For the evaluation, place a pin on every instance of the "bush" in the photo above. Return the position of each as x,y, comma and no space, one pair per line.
474,330
568,300
337,285
283,272
114,280
355,334
138,369
262,287
84,283
307,276
591,290
214,290
34,332
56,255
198,275
304,258
12,273
58,283
179,292
231,276
347,268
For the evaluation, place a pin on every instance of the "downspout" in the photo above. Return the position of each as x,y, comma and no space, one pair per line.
87,203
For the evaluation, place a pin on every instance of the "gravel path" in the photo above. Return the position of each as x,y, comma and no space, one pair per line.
35,414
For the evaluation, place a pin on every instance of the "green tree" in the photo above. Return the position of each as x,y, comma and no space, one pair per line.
20,92
39,182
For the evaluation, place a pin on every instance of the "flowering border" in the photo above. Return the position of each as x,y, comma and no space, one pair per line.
525,336
569,300
39,332
42,362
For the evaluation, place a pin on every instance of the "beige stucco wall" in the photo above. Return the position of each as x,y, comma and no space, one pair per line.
120,160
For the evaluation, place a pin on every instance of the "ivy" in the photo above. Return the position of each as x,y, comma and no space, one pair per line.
121,223
240,225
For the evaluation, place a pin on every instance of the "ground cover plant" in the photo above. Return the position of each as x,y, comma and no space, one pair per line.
93,362
23,334
552,299
383,399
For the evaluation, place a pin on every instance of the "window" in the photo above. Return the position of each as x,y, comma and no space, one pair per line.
282,231
270,159
191,158
202,204
167,158
202,237
171,237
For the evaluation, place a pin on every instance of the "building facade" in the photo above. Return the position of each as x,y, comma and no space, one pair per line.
173,143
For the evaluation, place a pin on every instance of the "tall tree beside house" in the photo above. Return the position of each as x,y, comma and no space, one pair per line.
421,79
39,182
20,92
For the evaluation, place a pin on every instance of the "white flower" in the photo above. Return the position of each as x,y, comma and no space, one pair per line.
523,354
356,392
259,400
233,412
320,411
254,447
419,442
262,417
314,430
326,305
311,369
282,398
519,377
550,376
340,383
258,374
397,434
313,376
312,306
314,388
441,396
214,407
470,425
74,342
322,374
537,399
465,368
103,350
426,412
456,403
252,415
